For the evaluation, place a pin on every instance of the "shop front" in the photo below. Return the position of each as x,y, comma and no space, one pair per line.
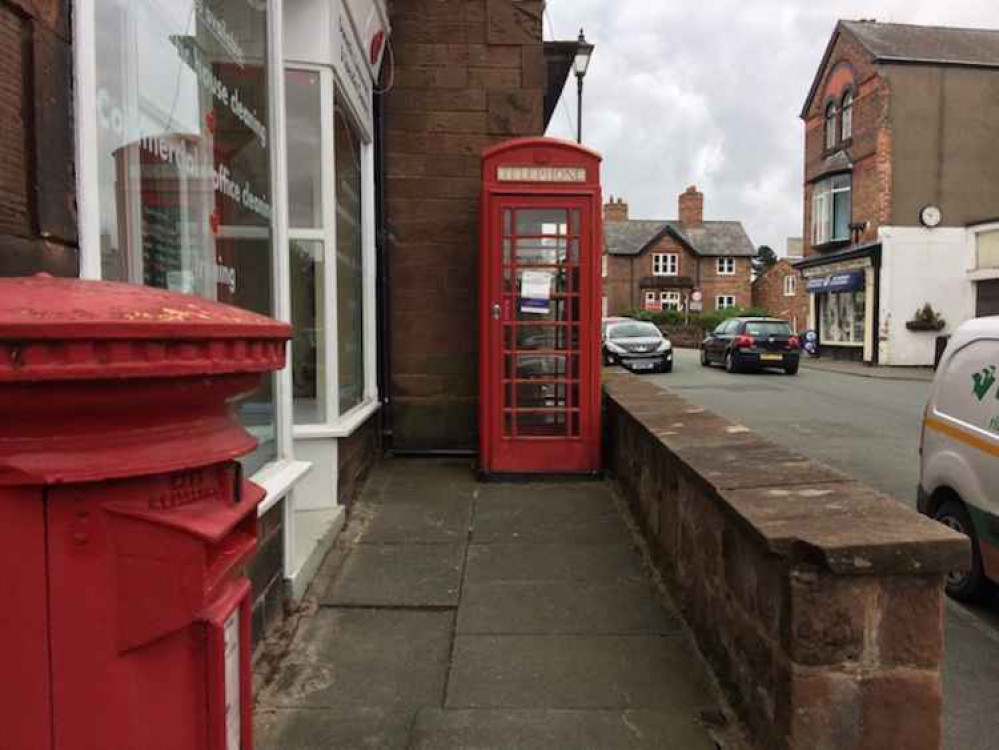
225,149
843,303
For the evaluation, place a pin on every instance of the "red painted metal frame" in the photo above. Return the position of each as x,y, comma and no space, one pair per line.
499,454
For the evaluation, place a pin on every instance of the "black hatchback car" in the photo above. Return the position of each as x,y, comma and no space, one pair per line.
752,343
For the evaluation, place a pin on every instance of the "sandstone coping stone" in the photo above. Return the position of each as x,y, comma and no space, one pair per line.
798,508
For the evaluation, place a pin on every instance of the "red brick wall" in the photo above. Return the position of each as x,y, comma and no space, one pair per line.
469,73
37,182
713,284
768,293
870,145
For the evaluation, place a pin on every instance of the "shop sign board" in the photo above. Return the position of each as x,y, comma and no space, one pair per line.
849,281
350,61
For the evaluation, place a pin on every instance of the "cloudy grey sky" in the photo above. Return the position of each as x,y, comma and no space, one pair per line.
709,92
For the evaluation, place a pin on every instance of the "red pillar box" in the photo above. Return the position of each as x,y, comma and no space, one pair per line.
125,524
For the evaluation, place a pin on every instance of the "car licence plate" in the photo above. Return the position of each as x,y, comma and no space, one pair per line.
771,357
641,365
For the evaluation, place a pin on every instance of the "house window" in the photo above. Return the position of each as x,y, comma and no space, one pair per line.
665,264
847,119
726,266
650,301
724,302
831,209
830,126
790,286
670,301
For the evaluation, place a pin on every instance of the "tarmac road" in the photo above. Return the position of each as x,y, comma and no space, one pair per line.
868,428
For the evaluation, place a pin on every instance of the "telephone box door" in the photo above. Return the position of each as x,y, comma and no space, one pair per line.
543,332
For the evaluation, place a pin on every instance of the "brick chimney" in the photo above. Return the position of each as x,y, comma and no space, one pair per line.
615,210
692,207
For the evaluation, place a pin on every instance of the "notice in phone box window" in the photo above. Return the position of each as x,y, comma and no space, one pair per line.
536,292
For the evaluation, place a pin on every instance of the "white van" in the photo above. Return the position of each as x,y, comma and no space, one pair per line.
959,452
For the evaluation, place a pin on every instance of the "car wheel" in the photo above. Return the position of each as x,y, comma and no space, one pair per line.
730,364
791,369
705,362
969,586
608,359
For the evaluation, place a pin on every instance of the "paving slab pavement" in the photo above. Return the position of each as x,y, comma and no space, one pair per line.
453,614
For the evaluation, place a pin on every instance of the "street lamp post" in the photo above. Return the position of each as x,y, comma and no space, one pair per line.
582,61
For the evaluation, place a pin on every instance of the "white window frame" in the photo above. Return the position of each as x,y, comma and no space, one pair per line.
603,266
670,300
650,298
724,301
790,285
339,425
725,266
665,264
824,207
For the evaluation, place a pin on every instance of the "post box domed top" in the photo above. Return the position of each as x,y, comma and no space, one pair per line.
67,328
47,307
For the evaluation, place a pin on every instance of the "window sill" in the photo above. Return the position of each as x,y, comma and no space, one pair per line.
345,426
277,478
826,247
849,344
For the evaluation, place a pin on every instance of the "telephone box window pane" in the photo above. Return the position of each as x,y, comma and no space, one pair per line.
184,158
305,158
308,346
542,424
541,252
530,338
558,310
574,222
538,395
349,261
534,222
535,366
507,222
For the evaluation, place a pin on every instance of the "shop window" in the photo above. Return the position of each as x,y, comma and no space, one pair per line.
724,302
830,126
847,117
831,210
843,317
790,286
726,266
183,158
665,264
349,262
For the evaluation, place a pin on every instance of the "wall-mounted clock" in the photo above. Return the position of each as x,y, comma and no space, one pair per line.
929,216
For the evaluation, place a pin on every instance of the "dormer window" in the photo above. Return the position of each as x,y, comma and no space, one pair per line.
830,126
847,119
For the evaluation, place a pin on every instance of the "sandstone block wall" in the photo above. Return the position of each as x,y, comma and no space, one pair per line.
817,601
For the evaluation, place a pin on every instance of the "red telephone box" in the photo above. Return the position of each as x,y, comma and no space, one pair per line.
539,348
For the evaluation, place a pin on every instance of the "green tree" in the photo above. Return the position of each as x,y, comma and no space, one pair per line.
765,257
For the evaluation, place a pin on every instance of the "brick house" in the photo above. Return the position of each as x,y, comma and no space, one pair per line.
901,186
781,292
658,264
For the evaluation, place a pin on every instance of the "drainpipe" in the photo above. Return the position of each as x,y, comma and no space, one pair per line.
382,276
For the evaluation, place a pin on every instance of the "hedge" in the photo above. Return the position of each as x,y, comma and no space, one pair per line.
705,321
